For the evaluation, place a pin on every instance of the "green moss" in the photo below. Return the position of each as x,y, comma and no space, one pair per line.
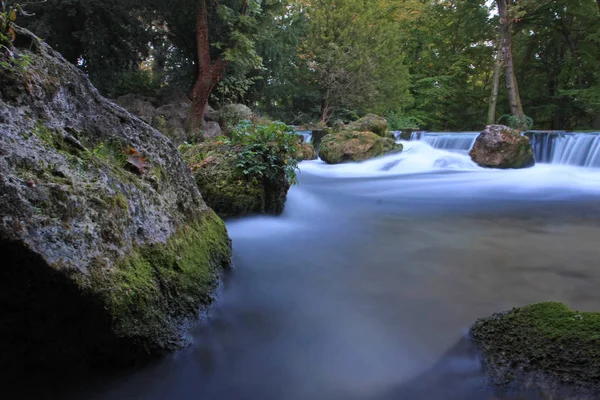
545,337
121,202
158,286
346,146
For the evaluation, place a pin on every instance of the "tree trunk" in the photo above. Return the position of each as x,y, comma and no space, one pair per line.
208,75
495,87
516,108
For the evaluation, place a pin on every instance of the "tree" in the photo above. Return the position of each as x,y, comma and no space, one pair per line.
105,38
506,21
344,53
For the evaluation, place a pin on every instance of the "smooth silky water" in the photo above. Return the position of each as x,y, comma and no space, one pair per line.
366,286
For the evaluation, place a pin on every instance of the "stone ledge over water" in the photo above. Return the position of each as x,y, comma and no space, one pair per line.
545,348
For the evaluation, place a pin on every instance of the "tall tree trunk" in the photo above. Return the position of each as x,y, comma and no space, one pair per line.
516,108
208,75
495,86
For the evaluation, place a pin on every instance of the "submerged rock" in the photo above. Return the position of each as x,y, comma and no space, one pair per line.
355,146
107,246
545,347
499,146
306,152
370,123
227,189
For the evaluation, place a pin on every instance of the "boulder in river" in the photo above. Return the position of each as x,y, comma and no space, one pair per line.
108,249
355,146
306,152
226,188
370,123
499,146
544,347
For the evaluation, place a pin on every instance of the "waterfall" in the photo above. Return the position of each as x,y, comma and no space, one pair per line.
462,141
580,149
307,135
554,147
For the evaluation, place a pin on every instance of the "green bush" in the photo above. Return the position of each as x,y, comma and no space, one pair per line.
398,121
268,151
514,122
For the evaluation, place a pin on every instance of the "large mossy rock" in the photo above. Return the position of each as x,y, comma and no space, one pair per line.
306,152
346,146
226,188
499,146
370,123
544,347
107,247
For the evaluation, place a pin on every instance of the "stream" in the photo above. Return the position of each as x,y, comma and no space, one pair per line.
366,286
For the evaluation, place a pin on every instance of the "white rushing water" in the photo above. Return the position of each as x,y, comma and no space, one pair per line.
577,149
454,174
582,149
462,141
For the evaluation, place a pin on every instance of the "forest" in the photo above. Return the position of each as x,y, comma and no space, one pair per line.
429,64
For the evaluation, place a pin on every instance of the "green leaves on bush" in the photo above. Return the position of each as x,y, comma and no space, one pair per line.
268,151
523,124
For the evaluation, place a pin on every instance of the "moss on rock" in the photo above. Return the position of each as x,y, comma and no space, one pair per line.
306,152
224,186
545,345
370,123
157,287
346,146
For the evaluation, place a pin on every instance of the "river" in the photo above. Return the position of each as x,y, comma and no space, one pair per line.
368,283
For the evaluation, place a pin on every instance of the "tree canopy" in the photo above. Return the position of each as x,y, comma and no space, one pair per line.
427,63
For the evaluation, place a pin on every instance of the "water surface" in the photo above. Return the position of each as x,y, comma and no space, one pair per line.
366,286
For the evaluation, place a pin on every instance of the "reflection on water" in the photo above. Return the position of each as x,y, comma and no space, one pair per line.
366,286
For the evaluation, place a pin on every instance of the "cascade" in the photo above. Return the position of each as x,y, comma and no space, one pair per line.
572,148
550,147
462,141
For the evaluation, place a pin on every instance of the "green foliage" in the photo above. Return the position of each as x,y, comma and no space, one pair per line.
8,16
515,122
398,121
268,151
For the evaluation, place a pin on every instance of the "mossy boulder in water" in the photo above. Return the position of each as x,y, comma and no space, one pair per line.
369,123
306,152
499,146
226,188
544,347
355,146
108,249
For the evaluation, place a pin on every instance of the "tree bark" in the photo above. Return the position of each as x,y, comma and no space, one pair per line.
516,107
495,87
208,75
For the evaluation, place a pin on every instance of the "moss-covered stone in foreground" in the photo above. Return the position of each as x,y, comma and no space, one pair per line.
156,288
546,346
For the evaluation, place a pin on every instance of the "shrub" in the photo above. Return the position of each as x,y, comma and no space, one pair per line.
514,122
398,121
268,151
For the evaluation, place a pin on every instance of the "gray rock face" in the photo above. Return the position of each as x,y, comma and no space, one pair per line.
211,130
231,114
172,115
106,242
